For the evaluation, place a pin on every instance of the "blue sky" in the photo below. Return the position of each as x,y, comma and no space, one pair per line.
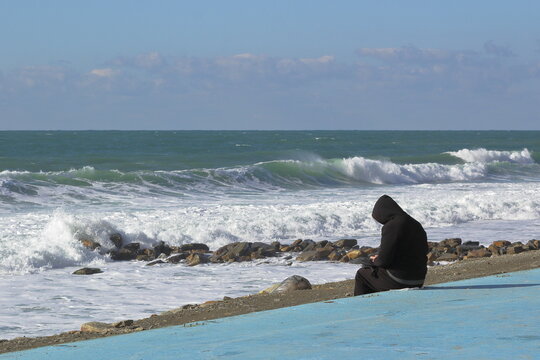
269,65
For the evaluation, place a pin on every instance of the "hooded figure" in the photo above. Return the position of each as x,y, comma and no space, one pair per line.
402,258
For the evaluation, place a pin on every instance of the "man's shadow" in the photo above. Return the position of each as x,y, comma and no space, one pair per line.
478,287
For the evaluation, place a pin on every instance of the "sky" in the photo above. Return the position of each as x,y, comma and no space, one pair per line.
296,64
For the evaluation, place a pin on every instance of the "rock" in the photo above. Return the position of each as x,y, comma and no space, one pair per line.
270,289
450,242
515,249
263,249
295,243
144,258
123,254
134,247
285,248
241,249
353,254
309,255
295,282
122,324
465,248
117,240
533,244
478,253
256,255
336,255
196,259
176,258
209,303
321,244
448,257
147,252
194,247
276,245
432,256
322,254
216,259
495,251
501,243
313,255
369,250
309,247
305,243
96,327
233,251
155,262
189,306
87,271
346,243
432,244
162,248
90,244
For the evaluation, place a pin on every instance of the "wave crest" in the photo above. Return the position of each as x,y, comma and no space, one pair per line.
486,156
386,172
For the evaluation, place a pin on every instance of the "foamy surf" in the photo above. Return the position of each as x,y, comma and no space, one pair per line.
36,242
486,156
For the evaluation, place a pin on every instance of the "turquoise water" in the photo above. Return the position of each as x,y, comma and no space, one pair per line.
90,167
181,150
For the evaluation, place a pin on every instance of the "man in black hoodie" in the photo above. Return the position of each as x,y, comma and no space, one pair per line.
402,258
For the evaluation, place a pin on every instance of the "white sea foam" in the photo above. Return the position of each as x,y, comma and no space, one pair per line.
386,172
486,156
30,242
56,301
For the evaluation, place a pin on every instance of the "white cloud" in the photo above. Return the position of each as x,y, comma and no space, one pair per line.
248,56
320,60
406,68
104,73
149,60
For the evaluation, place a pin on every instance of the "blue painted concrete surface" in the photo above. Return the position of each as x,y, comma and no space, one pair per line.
496,317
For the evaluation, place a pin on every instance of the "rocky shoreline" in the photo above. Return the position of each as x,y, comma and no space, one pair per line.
477,261
344,250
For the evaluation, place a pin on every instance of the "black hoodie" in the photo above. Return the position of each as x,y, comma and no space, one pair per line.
404,245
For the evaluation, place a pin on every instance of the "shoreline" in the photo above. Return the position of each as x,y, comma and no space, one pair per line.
460,270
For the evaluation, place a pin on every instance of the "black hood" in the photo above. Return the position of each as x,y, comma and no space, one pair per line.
385,209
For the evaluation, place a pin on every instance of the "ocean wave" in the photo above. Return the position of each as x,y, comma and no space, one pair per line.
91,185
33,242
487,156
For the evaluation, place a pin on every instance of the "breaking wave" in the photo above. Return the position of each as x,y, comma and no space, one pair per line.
92,186
486,156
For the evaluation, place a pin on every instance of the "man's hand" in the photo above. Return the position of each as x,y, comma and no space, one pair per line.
373,258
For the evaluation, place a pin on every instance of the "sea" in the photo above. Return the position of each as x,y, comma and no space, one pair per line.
218,187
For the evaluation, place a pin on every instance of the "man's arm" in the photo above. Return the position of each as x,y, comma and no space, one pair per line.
389,239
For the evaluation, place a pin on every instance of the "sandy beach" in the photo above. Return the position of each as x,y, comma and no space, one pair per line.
460,270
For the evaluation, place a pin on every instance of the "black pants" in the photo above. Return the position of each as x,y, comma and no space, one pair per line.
370,280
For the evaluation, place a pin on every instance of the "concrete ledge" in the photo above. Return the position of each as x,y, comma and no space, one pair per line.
495,317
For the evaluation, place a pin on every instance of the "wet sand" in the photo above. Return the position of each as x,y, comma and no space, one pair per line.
461,270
